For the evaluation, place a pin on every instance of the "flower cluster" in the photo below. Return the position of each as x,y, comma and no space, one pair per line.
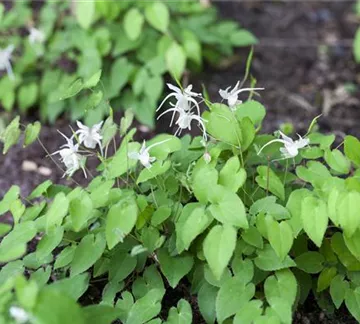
35,36
70,155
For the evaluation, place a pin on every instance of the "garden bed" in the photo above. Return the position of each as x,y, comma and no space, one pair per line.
304,60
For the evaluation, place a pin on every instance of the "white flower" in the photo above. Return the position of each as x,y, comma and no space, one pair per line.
143,155
70,157
5,57
36,36
90,136
184,120
291,148
232,95
18,314
184,99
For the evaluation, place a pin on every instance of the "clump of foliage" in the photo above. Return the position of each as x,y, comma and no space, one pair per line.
135,43
247,223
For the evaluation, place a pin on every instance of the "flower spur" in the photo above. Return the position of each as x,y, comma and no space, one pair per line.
291,147
144,156
232,95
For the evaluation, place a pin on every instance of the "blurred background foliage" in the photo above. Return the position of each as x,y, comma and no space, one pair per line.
134,46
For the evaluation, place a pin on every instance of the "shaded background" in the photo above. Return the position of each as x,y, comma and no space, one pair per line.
304,60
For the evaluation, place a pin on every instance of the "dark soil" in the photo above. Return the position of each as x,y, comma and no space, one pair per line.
304,60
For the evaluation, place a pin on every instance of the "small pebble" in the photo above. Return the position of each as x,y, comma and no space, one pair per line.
44,171
29,166
144,129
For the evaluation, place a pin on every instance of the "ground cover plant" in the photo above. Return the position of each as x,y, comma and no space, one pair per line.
244,225
137,44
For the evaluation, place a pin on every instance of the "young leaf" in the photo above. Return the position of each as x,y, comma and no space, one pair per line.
352,302
87,253
232,295
268,180
280,237
314,216
352,149
133,23
57,211
347,212
84,12
218,247
175,60
232,175
32,132
268,260
120,220
338,289
9,198
174,268
249,312
337,161
93,80
310,262
49,242
80,210
157,15
40,189
11,134
206,301
180,314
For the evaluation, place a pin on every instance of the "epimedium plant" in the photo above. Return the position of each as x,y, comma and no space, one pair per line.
57,46
248,223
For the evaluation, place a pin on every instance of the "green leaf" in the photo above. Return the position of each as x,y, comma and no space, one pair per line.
192,46
169,145
73,287
11,269
338,289
310,262
9,198
133,23
190,226
120,220
268,260
146,307
232,295
243,37
337,161
203,182
65,257
57,211
232,175
174,268
356,46
156,169
93,80
158,16
253,237
13,244
347,212
243,268
281,285
11,134
206,301
345,256
54,307
280,236
175,60
353,244
84,13
121,265
249,312
27,96
100,194
252,109
294,204
89,250
352,302
160,215
352,149
314,216
80,210
151,279
218,247
222,125
49,242
223,205
182,314
32,132
325,278
268,180
74,88
40,189
100,314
